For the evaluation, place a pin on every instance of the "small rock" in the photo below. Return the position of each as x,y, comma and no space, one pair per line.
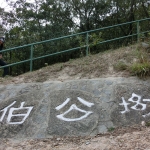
58,139
55,144
87,143
143,123
145,45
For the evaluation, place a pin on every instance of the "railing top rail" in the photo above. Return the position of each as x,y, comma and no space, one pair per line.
71,35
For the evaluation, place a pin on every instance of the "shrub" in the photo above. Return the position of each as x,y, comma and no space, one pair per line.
111,129
140,69
120,66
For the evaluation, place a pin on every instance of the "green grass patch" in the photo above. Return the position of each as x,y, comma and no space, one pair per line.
140,69
120,66
111,129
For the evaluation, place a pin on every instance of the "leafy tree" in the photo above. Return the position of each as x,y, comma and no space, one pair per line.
43,20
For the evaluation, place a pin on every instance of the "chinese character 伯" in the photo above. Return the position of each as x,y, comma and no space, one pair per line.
12,109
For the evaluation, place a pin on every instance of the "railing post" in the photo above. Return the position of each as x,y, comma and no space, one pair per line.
87,43
31,57
138,31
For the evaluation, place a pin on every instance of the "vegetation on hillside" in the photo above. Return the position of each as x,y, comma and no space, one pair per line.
42,20
123,62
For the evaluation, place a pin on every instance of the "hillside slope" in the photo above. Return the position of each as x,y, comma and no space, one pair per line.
111,63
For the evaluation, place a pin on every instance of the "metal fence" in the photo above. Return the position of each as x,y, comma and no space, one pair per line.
136,33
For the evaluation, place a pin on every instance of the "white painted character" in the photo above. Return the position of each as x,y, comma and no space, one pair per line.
10,114
125,104
5,111
137,99
74,107
146,100
138,106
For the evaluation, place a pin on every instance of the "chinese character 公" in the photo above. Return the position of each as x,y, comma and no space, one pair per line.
74,107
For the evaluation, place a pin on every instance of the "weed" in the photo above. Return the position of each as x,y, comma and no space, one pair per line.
147,124
120,66
143,58
46,64
140,69
111,129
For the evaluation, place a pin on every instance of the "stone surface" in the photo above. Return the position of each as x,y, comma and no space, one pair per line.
72,108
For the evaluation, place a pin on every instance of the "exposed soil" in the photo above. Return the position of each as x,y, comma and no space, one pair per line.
127,138
112,63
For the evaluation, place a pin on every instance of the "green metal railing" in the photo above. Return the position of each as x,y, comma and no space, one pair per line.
86,45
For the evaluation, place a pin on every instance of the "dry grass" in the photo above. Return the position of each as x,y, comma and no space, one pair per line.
110,63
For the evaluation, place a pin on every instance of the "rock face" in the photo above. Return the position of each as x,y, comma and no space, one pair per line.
72,108
145,45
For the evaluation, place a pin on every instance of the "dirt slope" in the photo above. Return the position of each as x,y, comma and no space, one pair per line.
107,64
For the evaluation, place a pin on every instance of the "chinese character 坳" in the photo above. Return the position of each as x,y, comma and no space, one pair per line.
138,104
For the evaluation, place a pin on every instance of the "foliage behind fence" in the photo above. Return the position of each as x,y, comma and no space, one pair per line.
72,46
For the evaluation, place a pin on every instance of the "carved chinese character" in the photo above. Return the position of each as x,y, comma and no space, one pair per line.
125,104
137,99
74,107
10,114
5,111
146,100
138,106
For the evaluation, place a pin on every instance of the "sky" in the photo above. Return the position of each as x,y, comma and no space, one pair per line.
4,4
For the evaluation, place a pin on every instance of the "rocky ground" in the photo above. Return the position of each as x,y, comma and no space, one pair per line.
94,66
127,138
